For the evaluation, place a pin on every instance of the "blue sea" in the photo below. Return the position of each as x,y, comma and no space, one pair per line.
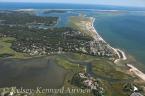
122,27
125,31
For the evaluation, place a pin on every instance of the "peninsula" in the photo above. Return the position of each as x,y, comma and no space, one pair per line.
74,56
85,25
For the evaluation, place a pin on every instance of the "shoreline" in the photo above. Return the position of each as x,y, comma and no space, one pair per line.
121,55
136,71
119,52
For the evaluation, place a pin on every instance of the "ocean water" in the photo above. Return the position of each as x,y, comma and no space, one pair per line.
123,29
126,31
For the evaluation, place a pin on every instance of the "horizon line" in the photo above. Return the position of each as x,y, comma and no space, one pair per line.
73,3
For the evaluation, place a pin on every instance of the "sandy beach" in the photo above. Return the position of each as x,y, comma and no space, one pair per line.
121,55
136,71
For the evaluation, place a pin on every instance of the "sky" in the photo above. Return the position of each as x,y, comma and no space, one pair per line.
136,3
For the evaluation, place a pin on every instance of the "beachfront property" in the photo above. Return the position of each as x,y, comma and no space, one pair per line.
35,41
98,46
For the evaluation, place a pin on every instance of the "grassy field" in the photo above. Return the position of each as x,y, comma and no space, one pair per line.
66,64
5,48
76,22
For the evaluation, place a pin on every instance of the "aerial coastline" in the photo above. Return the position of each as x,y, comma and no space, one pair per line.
121,56
86,25
80,53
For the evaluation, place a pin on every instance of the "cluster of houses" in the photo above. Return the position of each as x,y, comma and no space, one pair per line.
92,83
69,41
76,46
100,49
66,40
97,46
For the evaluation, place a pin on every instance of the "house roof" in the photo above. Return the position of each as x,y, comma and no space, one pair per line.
136,94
